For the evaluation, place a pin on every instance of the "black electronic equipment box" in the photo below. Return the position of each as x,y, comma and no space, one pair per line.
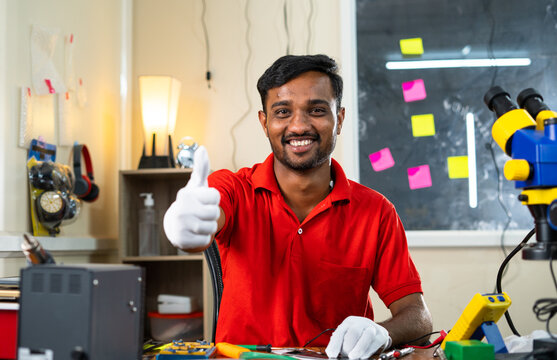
91,311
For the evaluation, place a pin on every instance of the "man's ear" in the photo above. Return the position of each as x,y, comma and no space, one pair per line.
263,120
340,119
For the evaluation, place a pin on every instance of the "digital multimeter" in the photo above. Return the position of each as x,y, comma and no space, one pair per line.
483,308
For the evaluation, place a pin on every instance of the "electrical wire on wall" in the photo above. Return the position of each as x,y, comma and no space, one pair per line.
207,48
246,87
286,29
310,26
489,146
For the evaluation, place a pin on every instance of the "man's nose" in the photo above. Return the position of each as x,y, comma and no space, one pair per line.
300,122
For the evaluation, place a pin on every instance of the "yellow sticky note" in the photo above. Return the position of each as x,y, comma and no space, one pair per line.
458,167
413,46
423,125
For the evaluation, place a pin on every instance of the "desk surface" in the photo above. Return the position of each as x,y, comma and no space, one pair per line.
419,354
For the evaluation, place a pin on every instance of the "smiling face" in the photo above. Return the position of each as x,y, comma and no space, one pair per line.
302,121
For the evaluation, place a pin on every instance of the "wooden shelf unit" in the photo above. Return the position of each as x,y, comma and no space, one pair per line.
171,272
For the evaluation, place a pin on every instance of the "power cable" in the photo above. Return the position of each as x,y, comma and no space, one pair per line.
501,271
207,47
489,146
246,88
285,18
309,24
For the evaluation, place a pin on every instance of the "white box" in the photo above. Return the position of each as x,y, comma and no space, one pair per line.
174,304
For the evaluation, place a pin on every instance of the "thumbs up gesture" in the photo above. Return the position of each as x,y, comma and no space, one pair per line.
191,220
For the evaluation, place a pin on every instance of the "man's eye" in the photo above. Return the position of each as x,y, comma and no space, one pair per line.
318,111
281,112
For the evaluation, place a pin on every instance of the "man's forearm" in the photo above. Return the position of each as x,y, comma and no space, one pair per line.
408,324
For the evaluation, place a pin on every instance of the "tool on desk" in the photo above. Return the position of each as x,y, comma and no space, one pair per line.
34,252
479,319
178,350
396,354
303,352
264,348
239,352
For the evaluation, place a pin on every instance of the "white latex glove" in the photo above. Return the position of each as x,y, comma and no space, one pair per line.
191,220
358,338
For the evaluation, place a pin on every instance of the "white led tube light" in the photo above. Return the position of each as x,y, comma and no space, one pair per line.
455,63
471,143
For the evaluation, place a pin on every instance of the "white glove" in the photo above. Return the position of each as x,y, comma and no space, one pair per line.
358,338
191,220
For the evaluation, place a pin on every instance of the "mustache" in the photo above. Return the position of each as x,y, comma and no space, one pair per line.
307,135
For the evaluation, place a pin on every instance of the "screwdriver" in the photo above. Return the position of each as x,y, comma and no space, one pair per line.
239,352
396,354
34,252
264,348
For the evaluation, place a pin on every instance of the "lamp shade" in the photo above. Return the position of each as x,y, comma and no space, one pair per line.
159,97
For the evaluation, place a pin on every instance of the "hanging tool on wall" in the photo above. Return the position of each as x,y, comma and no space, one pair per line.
34,251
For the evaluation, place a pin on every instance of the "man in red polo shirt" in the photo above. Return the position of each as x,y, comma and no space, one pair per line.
300,243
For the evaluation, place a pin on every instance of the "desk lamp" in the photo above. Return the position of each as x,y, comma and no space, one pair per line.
159,97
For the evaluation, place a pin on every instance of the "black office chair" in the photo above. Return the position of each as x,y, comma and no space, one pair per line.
213,260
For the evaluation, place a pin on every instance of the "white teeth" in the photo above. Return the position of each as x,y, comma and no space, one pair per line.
300,142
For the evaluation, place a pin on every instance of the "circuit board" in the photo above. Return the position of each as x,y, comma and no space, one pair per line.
178,350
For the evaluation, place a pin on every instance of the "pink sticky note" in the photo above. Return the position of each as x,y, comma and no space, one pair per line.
413,90
381,159
419,177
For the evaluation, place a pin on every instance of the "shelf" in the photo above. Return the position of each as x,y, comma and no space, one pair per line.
172,272
136,259
164,185
157,173
10,244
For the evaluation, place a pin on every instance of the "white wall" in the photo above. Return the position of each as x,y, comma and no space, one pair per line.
169,39
96,26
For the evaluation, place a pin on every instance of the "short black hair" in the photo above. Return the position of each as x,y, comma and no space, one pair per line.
288,67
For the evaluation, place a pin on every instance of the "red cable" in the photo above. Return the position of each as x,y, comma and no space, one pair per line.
437,341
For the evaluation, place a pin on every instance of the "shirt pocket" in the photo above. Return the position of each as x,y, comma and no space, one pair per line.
338,291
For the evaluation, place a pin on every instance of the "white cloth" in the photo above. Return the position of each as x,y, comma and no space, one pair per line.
358,338
191,220
524,343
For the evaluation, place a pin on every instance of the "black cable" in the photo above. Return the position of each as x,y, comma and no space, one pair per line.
310,16
545,309
285,16
502,269
491,55
551,267
207,48
489,146
490,52
321,333
246,85
423,336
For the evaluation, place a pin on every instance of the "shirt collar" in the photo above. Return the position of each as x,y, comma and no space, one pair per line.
264,177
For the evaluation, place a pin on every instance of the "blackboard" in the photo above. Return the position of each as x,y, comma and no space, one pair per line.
466,29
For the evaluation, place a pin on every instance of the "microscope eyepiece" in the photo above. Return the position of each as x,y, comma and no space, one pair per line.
531,101
499,101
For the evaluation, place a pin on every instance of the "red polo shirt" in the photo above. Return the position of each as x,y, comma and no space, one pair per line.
286,281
